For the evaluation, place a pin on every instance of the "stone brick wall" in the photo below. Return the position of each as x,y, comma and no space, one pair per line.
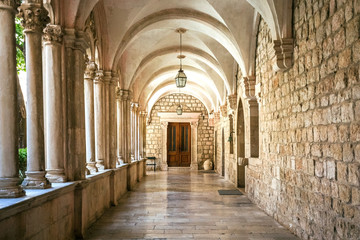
310,124
168,103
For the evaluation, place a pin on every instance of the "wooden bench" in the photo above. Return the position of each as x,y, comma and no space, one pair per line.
151,164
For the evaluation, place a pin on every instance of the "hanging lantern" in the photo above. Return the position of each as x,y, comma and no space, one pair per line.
180,78
179,110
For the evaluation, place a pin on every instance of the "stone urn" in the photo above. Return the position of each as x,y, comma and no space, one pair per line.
208,165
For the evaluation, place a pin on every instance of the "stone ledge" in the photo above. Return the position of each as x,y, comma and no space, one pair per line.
33,198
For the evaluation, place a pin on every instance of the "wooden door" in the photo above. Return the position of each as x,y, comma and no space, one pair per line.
179,145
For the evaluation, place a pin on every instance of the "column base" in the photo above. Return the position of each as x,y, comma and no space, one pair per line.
55,175
100,164
194,167
35,180
91,166
9,188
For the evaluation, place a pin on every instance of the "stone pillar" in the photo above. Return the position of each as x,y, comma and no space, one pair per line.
99,118
53,104
9,170
119,126
89,116
106,115
141,117
127,124
74,106
34,18
132,132
136,130
164,165
112,120
194,162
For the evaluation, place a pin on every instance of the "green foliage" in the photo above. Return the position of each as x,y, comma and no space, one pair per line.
22,163
20,46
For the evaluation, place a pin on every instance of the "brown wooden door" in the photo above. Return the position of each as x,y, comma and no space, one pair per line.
179,145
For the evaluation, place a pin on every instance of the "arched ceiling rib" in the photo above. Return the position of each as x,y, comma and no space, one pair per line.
142,45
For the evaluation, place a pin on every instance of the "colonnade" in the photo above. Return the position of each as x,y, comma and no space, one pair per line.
78,120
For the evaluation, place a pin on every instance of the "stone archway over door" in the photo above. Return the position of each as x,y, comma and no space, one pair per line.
193,119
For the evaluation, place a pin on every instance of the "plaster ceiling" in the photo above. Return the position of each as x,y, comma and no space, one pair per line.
139,41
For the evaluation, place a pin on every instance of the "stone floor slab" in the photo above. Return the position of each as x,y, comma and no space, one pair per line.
185,205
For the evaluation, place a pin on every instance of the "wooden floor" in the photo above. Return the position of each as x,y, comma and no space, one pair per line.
184,205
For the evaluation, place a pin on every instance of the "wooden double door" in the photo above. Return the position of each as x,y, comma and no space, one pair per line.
179,145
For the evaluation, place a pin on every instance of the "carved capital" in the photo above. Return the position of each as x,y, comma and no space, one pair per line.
53,33
107,77
164,125
90,70
99,77
33,17
232,101
12,4
114,78
248,86
223,110
282,54
123,94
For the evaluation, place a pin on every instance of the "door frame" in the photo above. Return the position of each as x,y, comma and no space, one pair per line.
188,117
178,153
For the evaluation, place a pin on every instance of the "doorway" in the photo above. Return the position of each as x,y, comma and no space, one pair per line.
179,145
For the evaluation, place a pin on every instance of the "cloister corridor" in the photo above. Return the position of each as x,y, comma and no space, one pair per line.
185,205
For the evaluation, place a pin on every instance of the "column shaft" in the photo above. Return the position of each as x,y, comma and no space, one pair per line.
9,171
33,25
112,121
53,105
89,116
99,113
119,125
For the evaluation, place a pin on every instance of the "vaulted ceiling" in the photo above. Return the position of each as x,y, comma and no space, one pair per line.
138,39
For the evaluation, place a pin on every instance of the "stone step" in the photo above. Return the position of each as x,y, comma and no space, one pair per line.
179,169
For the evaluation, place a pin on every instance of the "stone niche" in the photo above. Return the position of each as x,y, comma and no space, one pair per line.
195,113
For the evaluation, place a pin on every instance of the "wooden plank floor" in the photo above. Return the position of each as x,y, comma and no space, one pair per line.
184,205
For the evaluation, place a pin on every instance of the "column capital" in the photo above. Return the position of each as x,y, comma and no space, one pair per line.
34,17
232,101
223,110
90,70
10,4
53,33
134,106
107,77
114,78
99,77
123,94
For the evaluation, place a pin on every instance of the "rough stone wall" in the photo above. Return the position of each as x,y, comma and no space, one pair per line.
205,147
310,124
230,158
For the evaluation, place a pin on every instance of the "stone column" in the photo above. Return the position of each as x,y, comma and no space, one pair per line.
127,124
194,162
119,126
9,170
34,18
141,117
136,130
74,107
99,124
106,115
53,104
112,120
164,165
132,120
89,116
